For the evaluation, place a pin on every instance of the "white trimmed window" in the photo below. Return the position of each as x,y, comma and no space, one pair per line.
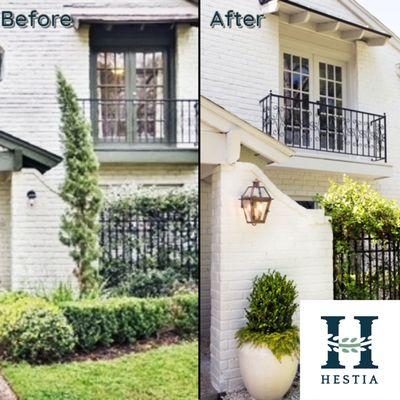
308,77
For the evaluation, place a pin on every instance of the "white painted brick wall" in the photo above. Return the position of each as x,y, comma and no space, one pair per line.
294,241
187,62
205,260
239,66
164,174
39,260
5,252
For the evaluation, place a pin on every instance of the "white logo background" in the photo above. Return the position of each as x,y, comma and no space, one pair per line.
385,350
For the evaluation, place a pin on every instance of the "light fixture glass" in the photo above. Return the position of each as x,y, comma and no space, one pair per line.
256,202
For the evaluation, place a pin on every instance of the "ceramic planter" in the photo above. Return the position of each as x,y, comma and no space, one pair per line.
265,377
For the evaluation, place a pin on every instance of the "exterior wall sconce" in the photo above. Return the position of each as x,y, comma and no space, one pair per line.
256,202
31,195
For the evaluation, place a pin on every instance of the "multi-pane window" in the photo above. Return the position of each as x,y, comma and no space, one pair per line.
150,88
130,91
296,78
331,99
111,91
327,116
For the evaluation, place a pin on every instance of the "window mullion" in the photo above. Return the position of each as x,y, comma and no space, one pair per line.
130,80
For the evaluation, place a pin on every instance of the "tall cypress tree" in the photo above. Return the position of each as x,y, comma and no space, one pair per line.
80,190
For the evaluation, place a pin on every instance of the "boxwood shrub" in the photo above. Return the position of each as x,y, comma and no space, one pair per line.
104,322
33,330
185,313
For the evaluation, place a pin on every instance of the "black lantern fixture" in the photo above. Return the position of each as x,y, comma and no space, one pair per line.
31,195
256,202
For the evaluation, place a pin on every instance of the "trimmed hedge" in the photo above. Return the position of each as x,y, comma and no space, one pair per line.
34,330
185,314
126,320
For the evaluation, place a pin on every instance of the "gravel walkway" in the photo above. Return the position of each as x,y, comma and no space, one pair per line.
294,393
5,391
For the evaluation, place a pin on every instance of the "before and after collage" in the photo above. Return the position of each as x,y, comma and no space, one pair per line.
199,199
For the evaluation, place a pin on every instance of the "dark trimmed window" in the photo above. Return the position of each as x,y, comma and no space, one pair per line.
132,75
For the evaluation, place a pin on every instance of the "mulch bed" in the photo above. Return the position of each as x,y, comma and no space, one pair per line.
110,353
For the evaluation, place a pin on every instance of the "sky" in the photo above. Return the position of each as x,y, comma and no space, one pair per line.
388,11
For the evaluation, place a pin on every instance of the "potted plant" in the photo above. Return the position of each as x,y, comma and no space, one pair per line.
269,343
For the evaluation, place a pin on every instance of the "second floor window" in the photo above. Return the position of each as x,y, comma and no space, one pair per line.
132,82
131,88
300,75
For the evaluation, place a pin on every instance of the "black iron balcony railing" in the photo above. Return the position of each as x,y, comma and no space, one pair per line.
164,122
324,127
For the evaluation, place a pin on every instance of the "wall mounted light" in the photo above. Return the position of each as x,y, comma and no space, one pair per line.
31,195
256,202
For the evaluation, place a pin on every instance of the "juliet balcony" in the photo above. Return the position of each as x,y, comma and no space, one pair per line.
325,128
131,130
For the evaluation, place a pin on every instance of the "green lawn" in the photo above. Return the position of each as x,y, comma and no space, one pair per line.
167,373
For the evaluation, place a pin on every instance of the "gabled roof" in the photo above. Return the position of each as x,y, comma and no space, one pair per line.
18,153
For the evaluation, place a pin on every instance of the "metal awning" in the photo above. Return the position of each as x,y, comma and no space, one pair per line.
295,13
16,154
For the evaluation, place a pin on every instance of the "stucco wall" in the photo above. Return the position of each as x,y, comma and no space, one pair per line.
294,241
5,227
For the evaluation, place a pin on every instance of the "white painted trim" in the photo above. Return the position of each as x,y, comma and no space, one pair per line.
314,56
323,163
227,124
346,93
370,19
297,38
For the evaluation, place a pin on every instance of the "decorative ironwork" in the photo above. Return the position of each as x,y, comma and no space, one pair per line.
168,121
166,240
309,125
367,268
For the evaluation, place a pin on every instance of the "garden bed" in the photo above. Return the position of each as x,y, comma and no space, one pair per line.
168,372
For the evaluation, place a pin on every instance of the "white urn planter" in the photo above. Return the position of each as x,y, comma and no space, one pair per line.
265,377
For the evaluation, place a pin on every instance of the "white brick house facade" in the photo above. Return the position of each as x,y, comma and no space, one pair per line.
240,67
32,256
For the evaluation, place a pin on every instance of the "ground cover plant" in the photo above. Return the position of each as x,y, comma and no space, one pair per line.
166,373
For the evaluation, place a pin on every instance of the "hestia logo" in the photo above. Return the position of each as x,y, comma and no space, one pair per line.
339,346
349,349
